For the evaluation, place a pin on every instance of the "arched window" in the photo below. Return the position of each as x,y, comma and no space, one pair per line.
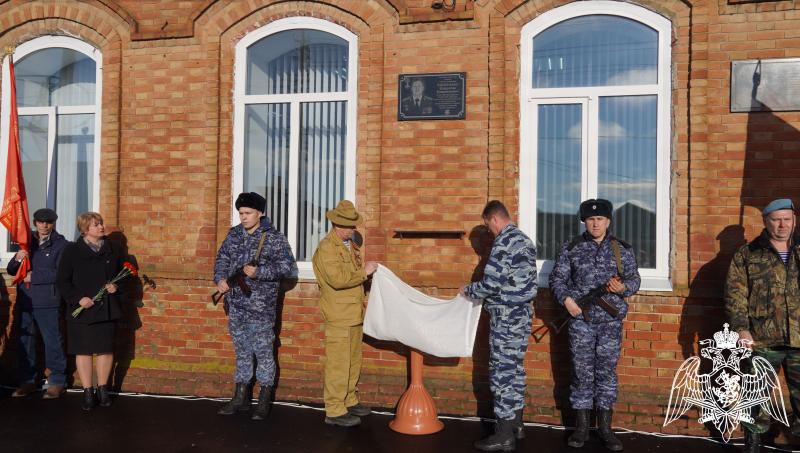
294,125
595,104
58,82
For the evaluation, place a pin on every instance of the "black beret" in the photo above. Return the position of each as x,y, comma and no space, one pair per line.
599,207
251,200
45,215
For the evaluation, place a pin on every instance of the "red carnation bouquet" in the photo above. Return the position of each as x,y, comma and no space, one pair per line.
128,269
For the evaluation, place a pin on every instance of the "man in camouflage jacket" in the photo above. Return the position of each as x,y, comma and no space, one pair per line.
251,319
762,301
507,288
587,262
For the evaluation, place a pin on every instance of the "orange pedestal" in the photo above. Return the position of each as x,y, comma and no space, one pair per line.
416,411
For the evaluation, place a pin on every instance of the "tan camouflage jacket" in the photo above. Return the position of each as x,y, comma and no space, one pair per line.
762,294
341,282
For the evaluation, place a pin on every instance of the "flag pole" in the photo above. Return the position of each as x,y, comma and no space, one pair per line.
14,212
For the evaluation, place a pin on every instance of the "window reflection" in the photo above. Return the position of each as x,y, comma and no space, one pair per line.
595,51
55,76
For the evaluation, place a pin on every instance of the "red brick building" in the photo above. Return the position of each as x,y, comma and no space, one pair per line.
158,113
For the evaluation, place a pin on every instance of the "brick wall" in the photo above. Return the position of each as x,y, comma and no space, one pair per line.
166,172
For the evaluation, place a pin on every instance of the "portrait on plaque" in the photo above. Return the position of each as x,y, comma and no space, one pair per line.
431,96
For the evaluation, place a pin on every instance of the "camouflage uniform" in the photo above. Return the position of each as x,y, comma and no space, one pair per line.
251,320
763,297
508,287
582,265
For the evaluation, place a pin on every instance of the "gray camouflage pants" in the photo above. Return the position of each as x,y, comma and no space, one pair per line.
595,352
253,339
509,330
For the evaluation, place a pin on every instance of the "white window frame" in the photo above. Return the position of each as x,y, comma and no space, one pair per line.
241,100
658,278
52,112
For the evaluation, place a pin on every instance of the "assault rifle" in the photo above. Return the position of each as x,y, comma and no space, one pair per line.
595,296
237,277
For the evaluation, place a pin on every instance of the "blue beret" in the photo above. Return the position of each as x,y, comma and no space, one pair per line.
777,205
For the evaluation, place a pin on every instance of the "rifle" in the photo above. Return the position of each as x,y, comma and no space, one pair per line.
238,276
597,296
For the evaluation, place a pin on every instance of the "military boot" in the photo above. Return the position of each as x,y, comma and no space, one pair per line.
604,430
796,427
264,403
752,442
581,434
501,440
239,402
519,425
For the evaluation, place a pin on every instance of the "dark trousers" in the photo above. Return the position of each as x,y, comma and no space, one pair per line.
789,359
46,322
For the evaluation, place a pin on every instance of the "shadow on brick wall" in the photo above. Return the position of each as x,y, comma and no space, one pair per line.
550,313
481,240
703,310
772,152
286,286
132,290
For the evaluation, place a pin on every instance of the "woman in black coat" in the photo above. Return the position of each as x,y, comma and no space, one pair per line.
87,265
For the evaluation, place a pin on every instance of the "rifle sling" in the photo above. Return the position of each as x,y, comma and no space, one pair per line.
260,247
617,256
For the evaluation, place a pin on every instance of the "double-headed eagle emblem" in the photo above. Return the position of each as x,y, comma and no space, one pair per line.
726,395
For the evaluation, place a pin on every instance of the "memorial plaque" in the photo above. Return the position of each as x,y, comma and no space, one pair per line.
765,85
431,96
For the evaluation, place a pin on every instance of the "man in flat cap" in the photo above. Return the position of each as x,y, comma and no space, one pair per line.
595,260
262,257
38,307
341,273
762,301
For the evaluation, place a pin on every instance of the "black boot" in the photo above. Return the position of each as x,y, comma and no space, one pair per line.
501,440
239,402
581,434
604,430
103,396
88,399
264,400
519,425
752,442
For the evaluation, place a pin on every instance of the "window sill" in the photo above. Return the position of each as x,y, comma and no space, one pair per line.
651,284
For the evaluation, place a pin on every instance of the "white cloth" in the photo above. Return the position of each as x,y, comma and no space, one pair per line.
398,312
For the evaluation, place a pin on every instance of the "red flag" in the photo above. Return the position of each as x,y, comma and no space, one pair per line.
14,214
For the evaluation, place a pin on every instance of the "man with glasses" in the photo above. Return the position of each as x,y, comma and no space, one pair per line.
38,307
